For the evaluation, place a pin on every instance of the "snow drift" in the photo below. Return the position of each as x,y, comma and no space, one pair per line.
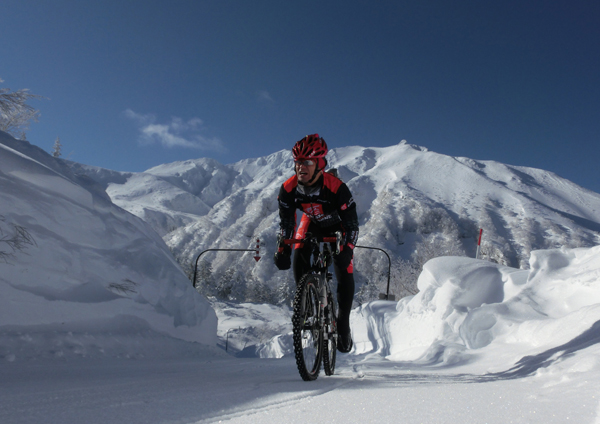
90,271
470,316
513,321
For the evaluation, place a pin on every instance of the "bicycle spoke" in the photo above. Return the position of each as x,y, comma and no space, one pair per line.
308,339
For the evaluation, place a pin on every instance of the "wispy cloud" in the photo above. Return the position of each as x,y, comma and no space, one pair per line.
264,96
177,133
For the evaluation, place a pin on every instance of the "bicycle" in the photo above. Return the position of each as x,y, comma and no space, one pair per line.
314,318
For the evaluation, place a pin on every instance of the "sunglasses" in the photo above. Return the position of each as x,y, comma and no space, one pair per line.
306,162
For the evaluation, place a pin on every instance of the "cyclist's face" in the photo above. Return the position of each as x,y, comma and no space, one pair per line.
305,170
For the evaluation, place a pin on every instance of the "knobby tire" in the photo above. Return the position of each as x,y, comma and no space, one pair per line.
307,332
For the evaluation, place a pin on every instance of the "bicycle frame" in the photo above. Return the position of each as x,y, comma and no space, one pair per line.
324,329
321,258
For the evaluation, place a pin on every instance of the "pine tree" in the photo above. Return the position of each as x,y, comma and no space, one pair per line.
225,284
204,280
56,149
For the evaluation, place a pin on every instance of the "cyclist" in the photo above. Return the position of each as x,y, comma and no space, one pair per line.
328,207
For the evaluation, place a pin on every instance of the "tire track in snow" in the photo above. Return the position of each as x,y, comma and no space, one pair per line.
242,411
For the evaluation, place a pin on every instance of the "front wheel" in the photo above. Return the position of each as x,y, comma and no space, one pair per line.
308,337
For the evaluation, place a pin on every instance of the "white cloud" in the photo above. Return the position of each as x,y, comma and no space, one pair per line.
177,133
264,96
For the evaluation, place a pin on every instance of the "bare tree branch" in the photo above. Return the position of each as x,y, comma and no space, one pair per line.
19,240
15,113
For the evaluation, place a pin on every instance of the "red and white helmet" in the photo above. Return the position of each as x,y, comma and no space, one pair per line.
310,147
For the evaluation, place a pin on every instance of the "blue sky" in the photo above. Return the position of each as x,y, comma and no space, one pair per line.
131,84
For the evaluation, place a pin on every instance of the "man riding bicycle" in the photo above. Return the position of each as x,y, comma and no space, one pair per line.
328,207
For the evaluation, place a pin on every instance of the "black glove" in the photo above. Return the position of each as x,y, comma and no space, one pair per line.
283,258
349,239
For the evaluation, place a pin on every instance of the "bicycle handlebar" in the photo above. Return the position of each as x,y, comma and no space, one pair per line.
309,237
319,239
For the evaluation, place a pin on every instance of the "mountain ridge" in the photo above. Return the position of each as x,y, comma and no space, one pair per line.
404,193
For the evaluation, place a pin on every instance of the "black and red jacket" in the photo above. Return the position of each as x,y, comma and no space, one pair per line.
328,204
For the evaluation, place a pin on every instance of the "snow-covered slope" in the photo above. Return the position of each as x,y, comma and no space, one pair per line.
404,194
83,269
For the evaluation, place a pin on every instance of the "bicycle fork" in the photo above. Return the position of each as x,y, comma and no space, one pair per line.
326,323
323,306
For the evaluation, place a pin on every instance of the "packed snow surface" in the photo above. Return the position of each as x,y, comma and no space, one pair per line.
98,324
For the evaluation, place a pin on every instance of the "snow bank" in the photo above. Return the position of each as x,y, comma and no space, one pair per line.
467,308
254,330
95,280
492,317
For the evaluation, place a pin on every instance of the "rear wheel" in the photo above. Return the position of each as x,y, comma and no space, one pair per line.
330,336
308,337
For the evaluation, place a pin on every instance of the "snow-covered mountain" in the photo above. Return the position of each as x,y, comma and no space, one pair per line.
405,194
81,274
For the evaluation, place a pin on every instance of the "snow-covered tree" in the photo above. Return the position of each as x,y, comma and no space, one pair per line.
285,290
15,113
259,292
406,272
56,149
366,293
232,285
404,278
434,245
204,280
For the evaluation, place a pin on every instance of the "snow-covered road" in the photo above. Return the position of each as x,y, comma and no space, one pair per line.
226,389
